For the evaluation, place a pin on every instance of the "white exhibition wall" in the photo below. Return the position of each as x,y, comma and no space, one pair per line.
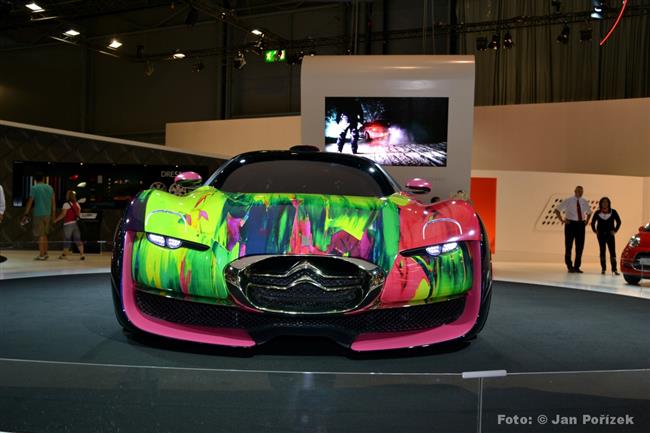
522,197
234,136
397,76
534,151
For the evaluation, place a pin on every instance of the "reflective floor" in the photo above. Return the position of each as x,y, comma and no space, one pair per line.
66,366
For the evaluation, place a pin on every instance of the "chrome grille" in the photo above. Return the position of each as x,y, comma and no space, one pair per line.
304,284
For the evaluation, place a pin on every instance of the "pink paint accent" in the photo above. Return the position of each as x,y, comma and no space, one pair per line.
188,176
203,214
397,340
185,281
419,183
618,19
402,281
199,334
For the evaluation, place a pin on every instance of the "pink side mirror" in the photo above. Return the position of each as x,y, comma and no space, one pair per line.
418,186
188,179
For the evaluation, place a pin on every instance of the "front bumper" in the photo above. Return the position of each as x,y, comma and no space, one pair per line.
379,329
636,262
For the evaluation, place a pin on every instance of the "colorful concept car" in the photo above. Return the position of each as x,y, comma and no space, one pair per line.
635,260
301,243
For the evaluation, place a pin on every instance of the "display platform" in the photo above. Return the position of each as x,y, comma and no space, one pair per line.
66,366
530,328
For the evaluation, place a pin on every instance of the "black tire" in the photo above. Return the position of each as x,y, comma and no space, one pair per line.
116,278
483,314
486,285
631,279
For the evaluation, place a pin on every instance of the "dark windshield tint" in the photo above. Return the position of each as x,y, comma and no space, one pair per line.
301,176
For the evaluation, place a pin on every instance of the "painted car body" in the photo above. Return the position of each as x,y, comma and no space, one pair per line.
635,260
372,272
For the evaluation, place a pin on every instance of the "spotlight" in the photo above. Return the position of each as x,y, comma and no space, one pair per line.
198,67
257,32
507,41
239,61
585,35
149,69
481,43
563,38
115,44
494,43
598,8
192,17
295,58
258,47
34,7
71,33
178,55
556,4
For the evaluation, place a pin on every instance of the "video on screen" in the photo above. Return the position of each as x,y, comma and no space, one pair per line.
397,131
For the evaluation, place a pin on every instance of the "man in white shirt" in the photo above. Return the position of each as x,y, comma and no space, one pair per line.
576,217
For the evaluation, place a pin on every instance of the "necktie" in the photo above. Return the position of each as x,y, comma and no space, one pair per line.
579,210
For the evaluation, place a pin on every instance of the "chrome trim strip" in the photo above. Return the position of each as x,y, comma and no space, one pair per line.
300,266
441,220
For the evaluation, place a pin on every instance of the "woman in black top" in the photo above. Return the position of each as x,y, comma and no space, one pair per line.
605,224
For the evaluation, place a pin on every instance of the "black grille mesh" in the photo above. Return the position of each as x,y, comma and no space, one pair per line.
214,316
285,281
305,297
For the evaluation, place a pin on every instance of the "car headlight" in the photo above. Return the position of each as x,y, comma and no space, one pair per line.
634,241
433,250
173,243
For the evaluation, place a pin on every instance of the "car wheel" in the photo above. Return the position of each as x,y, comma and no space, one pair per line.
631,279
116,277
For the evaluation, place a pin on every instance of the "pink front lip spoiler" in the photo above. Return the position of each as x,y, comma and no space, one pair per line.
450,331
223,336
240,338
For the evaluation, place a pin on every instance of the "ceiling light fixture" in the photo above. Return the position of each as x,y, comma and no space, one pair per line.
239,61
72,33
507,41
494,43
598,9
481,43
115,44
257,32
34,7
563,38
178,55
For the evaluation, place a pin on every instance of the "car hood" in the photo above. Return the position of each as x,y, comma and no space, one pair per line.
234,225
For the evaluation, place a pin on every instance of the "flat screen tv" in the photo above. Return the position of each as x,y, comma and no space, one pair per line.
397,131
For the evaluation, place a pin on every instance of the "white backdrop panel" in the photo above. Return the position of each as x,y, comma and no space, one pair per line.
397,76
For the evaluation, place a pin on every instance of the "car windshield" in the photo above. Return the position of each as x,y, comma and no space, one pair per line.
303,176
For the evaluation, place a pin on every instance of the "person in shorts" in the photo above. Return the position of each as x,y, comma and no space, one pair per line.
41,201
70,215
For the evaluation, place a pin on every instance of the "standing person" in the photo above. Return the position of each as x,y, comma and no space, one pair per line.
41,199
577,213
71,233
605,224
2,214
353,112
